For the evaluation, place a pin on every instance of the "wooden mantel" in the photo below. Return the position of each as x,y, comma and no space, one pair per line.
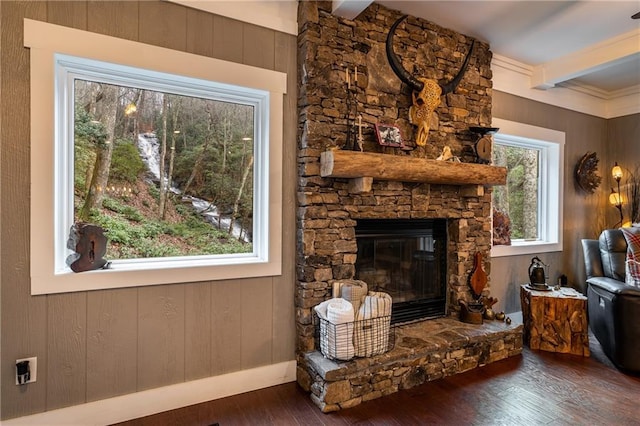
373,166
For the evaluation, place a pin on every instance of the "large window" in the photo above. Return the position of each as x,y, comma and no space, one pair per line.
165,174
530,204
176,156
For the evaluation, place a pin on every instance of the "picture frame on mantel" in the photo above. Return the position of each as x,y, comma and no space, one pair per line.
389,135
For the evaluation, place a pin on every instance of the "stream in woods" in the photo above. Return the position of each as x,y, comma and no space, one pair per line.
149,148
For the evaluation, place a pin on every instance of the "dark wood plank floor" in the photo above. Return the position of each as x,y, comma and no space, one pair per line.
536,388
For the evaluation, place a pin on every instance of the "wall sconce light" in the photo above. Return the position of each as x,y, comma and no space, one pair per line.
615,198
616,172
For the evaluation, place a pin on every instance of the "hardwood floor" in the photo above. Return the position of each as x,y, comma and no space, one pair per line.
537,388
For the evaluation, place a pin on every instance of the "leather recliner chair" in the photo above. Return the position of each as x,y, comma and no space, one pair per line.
613,306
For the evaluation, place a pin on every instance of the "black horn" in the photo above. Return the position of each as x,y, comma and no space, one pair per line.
451,86
395,63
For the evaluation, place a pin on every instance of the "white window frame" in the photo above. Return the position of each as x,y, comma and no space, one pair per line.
58,54
550,144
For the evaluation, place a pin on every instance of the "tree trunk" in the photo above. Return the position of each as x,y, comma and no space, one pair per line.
501,193
203,153
138,102
100,177
172,153
163,154
245,175
530,189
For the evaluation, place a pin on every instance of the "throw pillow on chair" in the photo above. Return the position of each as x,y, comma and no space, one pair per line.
632,264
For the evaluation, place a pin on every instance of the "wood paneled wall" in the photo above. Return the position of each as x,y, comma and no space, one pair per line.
99,344
623,134
585,215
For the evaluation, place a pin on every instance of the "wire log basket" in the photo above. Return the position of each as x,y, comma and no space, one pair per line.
362,338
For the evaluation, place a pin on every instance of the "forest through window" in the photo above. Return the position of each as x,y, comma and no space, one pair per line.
164,174
518,199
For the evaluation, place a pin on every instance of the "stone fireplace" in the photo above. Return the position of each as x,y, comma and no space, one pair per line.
332,202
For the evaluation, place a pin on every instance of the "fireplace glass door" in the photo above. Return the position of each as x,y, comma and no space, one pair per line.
406,259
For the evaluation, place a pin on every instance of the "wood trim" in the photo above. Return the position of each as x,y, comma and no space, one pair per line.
152,401
356,165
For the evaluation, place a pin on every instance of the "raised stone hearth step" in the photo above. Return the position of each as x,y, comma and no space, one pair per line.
423,351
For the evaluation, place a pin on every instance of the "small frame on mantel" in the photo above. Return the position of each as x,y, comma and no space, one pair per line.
389,135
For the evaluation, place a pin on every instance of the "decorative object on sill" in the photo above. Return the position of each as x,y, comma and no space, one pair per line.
478,278
586,173
90,245
501,228
484,143
447,155
615,198
426,93
360,140
354,138
389,135
471,313
489,314
507,320
500,316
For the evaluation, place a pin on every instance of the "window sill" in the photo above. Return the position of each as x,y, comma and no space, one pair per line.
121,274
522,248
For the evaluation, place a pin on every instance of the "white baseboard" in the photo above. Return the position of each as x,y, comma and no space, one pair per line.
152,401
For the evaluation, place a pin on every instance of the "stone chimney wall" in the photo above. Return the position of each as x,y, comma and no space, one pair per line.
327,210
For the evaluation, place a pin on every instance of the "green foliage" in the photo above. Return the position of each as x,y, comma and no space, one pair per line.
126,164
85,158
126,211
131,235
88,128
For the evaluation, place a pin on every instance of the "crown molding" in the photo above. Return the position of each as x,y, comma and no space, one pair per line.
515,77
597,57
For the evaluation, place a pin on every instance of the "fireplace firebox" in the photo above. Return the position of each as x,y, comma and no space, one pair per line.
407,259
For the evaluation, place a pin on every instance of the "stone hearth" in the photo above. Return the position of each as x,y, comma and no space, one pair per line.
329,208
423,351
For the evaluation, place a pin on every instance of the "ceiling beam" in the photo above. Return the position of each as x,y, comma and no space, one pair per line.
594,58
349,9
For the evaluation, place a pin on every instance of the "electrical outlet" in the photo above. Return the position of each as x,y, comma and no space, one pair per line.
26,370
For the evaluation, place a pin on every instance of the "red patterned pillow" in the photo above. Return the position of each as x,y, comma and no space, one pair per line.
632,269
632,235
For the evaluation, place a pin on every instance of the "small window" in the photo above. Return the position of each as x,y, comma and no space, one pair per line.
177,156
527,211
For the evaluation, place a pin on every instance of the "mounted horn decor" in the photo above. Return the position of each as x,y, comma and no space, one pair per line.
426,93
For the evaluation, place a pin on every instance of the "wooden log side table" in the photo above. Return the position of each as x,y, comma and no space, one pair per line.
555,321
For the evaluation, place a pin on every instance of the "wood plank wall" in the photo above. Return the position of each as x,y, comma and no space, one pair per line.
584,214
95,345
